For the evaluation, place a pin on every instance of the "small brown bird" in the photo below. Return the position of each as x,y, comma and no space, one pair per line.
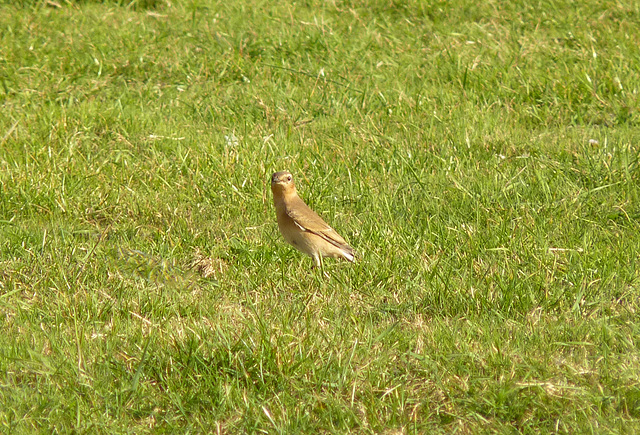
302,227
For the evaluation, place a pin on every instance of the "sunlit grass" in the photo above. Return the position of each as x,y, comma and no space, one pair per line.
481,158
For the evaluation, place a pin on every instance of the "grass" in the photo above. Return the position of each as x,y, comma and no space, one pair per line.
481,158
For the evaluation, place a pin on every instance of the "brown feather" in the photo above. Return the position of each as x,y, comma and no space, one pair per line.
310,221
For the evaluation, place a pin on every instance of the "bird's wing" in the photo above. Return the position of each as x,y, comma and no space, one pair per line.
308,220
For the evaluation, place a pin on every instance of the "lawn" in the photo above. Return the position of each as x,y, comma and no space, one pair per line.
481,157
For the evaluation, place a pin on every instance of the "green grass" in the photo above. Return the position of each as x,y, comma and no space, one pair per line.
481,157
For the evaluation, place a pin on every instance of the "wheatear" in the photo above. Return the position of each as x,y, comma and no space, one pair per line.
302,227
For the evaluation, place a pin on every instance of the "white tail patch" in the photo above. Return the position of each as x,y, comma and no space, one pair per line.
349,256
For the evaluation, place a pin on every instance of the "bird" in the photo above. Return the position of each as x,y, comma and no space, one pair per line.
302,227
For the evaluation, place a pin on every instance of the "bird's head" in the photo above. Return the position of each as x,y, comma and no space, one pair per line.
282,183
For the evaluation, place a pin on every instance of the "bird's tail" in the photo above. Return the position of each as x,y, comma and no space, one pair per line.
349,254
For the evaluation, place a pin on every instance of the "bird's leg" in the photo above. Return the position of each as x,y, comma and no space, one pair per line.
317,261
322,266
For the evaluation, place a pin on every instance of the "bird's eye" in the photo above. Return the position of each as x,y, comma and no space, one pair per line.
289,178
